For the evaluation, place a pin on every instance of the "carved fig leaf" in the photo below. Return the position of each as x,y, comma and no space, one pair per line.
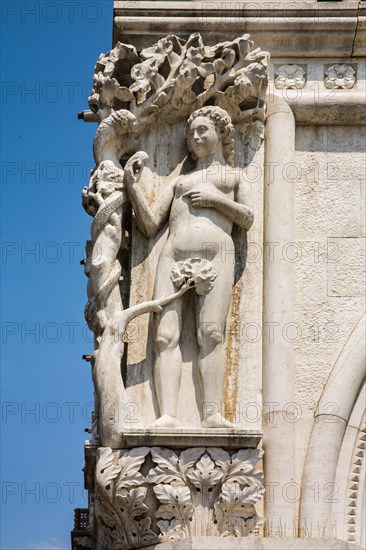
108,91
199,74
168,469
124,94
252,134
205,475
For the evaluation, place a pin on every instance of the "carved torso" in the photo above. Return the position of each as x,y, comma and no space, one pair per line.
204,226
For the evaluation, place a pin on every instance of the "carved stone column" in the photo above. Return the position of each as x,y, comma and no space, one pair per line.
177,183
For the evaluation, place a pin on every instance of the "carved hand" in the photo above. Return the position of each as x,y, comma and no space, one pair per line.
202,198
135,166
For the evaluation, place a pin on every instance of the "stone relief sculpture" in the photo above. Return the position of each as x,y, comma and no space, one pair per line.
104,200
208,88
198,492
178,203
340,76
207,202
290,77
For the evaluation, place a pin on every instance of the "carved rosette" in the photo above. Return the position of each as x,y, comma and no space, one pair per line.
199,492
289,77
340,76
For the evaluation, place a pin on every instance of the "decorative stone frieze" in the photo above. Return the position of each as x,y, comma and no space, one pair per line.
289,77
197,492
340,76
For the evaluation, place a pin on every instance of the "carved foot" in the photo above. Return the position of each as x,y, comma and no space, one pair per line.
216,421
165,421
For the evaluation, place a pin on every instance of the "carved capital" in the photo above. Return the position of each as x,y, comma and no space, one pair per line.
197,492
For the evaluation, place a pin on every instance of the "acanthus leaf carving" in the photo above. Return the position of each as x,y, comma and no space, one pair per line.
235,513
200,492
168,469
206,492
120,506
205,475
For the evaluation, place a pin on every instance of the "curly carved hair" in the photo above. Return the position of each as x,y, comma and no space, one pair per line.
223,125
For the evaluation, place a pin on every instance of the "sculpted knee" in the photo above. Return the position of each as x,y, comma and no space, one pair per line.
209,335
165,339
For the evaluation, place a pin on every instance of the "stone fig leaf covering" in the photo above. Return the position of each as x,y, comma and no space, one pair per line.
197,271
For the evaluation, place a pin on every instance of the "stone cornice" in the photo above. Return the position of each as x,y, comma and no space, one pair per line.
286,29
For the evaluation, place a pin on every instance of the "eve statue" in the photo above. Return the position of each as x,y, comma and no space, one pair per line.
200,207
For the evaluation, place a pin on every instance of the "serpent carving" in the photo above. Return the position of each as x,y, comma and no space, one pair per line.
104,200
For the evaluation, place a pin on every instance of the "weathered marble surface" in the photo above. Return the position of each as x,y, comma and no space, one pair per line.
196,492
317,446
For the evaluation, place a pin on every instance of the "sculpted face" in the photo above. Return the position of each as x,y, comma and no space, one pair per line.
203,138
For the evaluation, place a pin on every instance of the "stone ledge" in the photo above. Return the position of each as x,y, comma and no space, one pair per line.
183,438
319,29
253,543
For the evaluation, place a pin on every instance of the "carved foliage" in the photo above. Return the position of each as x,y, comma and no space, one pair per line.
199,492
176,77
199,272
120,506
252,134
206,492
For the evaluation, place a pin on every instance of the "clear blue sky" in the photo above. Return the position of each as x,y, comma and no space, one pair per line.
49,49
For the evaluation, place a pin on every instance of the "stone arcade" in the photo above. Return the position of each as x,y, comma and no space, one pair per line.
225,279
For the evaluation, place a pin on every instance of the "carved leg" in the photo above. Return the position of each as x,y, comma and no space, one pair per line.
168,357
211,315
168,367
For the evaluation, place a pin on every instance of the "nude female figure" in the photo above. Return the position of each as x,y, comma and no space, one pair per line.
201,208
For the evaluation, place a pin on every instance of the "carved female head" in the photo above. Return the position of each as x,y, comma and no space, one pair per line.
221,122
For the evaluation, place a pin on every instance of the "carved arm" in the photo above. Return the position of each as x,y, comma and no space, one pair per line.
235,210
150,218
152,306
238,213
